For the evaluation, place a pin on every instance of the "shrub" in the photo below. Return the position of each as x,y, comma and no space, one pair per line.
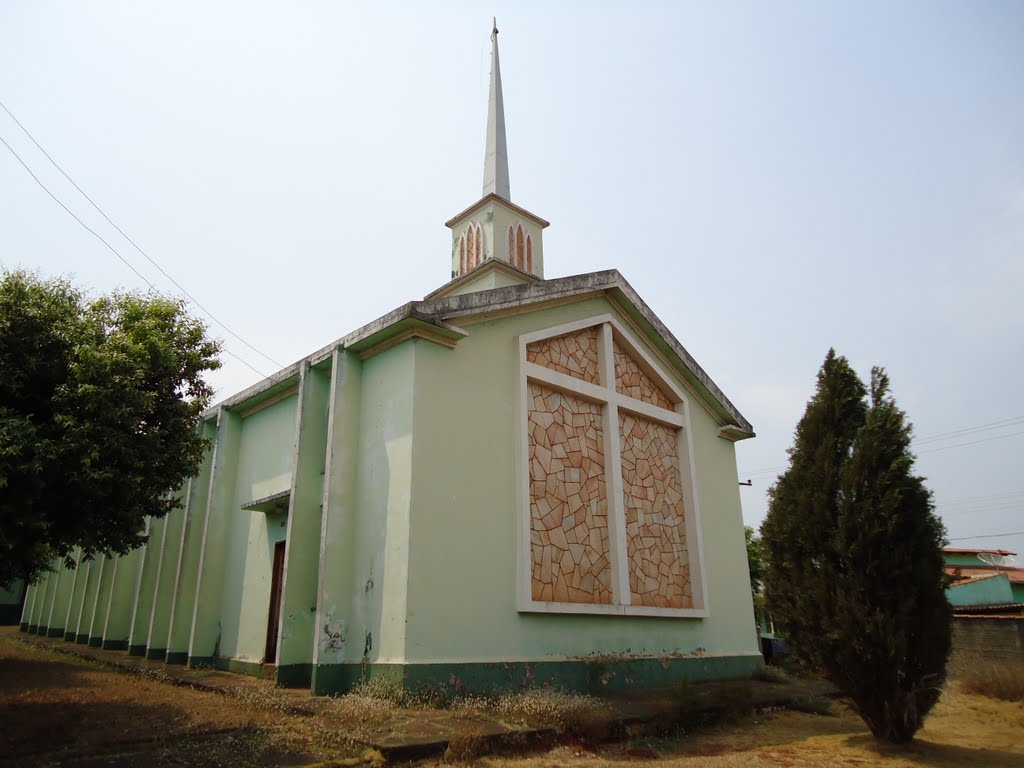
854,554
812,705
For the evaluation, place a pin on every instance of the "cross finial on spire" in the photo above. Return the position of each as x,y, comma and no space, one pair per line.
496,153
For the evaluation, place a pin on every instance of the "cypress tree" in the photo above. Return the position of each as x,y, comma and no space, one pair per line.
854,554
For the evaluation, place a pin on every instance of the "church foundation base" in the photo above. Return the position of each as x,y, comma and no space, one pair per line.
584,676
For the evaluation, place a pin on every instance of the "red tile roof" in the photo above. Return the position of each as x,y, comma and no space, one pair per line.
962,573
953,551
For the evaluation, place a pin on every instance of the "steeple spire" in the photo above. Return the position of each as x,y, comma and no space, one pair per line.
494,234
496,154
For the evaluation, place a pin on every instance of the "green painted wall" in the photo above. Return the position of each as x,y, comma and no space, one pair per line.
993,590
149,558
337,635
301,579
264,464
58,617
365,555
77,595
88,602
1018,592
962,559
385,487
161,599
102,604
45,604
123,591
186,571
462,593
207,626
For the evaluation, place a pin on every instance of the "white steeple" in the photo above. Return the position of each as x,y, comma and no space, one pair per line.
494,233
496,153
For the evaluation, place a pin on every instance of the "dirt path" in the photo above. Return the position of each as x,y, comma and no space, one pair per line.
59,710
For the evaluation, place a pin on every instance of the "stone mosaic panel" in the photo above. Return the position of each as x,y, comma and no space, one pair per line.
568,499
630,380
574,354
658,561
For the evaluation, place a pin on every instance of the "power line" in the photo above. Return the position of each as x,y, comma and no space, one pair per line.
973,442
75,217
99,237
990,536
134,244
1011,422
964,432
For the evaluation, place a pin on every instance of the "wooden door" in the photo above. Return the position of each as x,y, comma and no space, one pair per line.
274,619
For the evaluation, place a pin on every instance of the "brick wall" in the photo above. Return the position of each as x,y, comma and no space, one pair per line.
990,640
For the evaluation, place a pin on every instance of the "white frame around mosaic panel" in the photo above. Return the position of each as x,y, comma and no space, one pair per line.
606,394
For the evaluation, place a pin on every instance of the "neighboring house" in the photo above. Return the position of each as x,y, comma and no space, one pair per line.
983,577
987,595
515,481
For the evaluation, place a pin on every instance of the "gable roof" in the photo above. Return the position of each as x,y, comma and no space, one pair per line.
958,551
965,573
437,318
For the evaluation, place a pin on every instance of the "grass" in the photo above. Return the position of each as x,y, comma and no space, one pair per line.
1004,680
812,705
964,730
54,706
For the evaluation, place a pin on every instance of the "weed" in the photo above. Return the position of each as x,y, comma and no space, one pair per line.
465,748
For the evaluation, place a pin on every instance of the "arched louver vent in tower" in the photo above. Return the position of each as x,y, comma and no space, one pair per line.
471,248
520,248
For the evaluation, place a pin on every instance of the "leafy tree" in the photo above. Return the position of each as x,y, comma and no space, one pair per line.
854,560
755,563
99,408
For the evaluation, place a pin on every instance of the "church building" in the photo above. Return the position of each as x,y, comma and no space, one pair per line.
515,481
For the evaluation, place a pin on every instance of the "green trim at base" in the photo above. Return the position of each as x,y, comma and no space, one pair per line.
55,632
254,669
24,626
41,630
32,628
136,650
294,675
176,657
69,637
114,645
578,675
95,642
81,639
156,654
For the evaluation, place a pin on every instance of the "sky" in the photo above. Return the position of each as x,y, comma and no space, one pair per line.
774,179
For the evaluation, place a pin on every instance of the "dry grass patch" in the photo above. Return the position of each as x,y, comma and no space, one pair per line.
1001,681
963,730
539,708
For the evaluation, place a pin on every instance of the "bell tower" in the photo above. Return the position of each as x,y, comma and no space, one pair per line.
494,227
